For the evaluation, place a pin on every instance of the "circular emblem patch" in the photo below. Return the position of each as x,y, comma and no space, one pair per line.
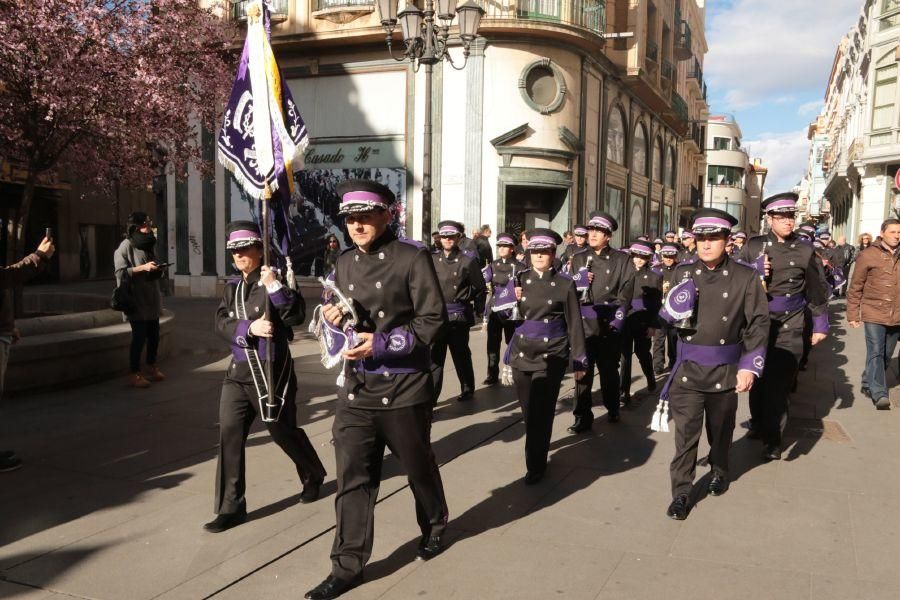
397,343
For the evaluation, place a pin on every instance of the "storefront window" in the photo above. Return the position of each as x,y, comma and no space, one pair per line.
721,143
653,223
885,94
639,162
657,161
636,217
615,206
615,137
670,169
725,176
667,223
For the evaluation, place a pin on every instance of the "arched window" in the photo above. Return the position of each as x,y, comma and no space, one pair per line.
615,137
639,158
658,160
670,169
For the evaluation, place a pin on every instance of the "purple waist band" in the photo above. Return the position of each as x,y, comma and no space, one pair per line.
786,304
637,304
607,312
417,362
539,329
455,308
708,356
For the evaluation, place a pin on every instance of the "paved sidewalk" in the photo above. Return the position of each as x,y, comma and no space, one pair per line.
118,482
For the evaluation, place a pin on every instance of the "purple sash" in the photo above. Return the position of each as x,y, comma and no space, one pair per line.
417,362
782,304
637,304
456,308
540,330
707,356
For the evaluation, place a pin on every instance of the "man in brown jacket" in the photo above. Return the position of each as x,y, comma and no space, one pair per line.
873,299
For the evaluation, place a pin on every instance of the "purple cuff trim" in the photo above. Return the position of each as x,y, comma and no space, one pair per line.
579,363
397,342
753,361
618,320
241,333
820,323
280,298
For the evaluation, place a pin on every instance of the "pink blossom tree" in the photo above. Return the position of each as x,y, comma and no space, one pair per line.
109,90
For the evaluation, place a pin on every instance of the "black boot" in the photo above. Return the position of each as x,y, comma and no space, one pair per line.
333,587
226,521
678,510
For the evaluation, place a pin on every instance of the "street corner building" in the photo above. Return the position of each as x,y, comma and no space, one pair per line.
563,107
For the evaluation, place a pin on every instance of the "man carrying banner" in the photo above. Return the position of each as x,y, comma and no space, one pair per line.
385,399
499,278
665,338
719,308
794,281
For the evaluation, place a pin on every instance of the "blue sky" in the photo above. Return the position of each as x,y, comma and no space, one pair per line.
768,65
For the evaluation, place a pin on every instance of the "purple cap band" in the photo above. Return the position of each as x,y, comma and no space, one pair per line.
686,234
668,249
740,235
600,222
786,203
448,230
641,249
580,231
243,234
707,222
505,240
540,241
362,196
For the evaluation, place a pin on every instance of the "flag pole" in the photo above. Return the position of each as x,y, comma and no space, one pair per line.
270,346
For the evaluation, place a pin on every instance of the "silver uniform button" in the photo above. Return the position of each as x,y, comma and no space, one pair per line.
549,301
792,263
350,287
527,281
378,285
380,314
384,400
386,373
722,342
521,354
231,313
546,320
724,294
688,338
356,258
381,255
521,335
684,378
724,318
552,284
257,308
718,386
524,298
697,271
546,339
351,397
787,295
545,356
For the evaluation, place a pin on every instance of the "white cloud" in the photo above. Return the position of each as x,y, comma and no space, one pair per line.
785,155
765,50
810,109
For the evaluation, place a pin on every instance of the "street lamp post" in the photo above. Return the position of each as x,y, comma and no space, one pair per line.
426,43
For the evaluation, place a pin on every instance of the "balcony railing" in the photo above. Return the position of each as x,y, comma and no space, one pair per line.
684,39
652,51
278,9
696,72
327,4
667,70
588,14
679,107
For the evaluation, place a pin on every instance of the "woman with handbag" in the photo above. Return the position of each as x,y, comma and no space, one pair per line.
137,275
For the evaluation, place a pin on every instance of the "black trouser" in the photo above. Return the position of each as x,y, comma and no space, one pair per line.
537,392
769,402
663,347
635,341
457,338
360,437
238,405
497,329
143,332
687,409
604,352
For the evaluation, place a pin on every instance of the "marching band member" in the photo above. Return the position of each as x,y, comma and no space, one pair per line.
739,238
386,396
241,320
665,338
545,342
462,284
641,323
721,350
688,247
794,280
580,232
606,295
499,279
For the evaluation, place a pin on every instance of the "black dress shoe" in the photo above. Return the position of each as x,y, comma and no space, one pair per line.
581,425
226,521
429,547
310,491
772,452
625,399
651,385
532,477
718,485
491,381
613,417
333,587
465,397
678,510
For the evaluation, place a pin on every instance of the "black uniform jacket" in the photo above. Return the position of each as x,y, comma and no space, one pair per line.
497,275
797,279
461,283
396,296
646,298
611,290
287,310
552,327
731,311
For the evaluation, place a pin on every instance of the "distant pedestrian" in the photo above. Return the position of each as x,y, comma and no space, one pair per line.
483,246
844,254
567,239
865,240
873,299
11,276
136,266
332,251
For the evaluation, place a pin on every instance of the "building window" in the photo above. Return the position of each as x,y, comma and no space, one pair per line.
889,5
885,95
615,137
615,206
653,224
639,160
636,216
542,86
668,211
657,161
670,169
720,143
725,176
